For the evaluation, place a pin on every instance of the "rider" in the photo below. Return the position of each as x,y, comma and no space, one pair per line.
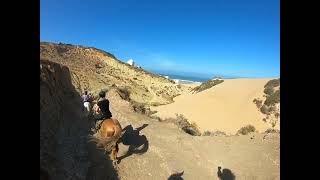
86,101
102,108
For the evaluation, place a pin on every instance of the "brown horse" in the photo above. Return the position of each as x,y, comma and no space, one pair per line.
108,136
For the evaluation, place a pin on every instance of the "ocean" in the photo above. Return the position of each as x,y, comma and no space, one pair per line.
186,78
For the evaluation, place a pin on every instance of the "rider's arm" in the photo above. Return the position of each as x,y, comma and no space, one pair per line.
97,109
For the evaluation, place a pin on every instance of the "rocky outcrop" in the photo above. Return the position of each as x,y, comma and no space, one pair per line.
63,127
65,152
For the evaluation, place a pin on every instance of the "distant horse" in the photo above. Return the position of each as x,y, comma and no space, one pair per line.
108,136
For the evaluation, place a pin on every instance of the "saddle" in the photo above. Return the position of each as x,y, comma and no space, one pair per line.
98,126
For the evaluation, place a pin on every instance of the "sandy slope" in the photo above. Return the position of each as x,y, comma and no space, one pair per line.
226,107
164,149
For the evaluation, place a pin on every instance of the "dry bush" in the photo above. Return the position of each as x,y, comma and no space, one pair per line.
184,124
124,93
264,109
246,130
272,131
214,133
258,102
207,85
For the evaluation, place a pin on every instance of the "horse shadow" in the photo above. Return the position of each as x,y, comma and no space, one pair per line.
225,174
134,140
176,176
100,165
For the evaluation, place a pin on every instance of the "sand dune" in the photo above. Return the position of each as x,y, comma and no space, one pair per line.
226,107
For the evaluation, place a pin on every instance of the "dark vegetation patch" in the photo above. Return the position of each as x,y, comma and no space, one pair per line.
206,85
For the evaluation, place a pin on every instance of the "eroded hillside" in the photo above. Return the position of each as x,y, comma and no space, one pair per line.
94,69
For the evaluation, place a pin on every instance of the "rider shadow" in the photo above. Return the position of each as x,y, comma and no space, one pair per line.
225,174
134,140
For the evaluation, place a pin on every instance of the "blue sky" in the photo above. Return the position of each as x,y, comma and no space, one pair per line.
199,37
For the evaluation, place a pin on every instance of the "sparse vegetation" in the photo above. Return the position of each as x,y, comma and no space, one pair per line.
124,93
258,102
269,107
99,65
273,98
155,104
264,109
138,107
214,133
270,130
273,83
268,90
207,85
141,108
62,49
246,130
184,124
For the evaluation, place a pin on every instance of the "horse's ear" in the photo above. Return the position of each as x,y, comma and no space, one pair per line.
180,174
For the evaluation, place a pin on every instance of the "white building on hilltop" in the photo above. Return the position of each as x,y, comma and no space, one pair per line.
131,62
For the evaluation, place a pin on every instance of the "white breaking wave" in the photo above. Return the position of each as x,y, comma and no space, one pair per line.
184,81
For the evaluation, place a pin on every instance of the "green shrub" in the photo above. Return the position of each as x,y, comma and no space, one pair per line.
273,98
273,83
268,91
207,85
264,109
246,130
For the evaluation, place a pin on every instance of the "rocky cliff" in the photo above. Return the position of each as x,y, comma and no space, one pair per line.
63,128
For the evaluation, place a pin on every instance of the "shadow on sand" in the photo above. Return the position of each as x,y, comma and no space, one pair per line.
225,174
101,166
176,176
134,140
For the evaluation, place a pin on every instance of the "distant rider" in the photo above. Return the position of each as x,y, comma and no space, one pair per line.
87,99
